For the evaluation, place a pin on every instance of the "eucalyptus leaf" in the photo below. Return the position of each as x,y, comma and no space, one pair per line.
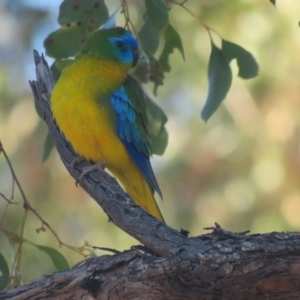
149,37
219,81
47,147
158,133
161,4
248,67
65,42
59,261
273,2
172,41
89,13
158,17
78,19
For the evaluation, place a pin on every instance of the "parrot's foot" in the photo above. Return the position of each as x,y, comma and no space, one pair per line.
98,166
76,160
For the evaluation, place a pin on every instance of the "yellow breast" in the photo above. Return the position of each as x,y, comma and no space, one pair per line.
81,107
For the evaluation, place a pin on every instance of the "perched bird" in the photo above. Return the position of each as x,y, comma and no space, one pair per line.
101,110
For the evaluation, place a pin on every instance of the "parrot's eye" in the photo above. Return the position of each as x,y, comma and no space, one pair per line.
119,44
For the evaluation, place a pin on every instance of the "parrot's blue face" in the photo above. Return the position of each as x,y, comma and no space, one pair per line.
126,48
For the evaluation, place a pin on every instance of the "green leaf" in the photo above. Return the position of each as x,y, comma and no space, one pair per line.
273,2
48,147
149,37
158,133
57,258
65,42
248,67
159,18
78,18
219,81
172,41
90,14
161,5
4,273
160,142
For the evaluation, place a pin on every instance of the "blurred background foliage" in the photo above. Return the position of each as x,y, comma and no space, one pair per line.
240,169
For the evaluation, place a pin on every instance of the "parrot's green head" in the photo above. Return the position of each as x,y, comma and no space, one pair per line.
116,44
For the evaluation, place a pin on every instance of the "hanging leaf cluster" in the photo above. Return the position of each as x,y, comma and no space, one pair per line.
220,75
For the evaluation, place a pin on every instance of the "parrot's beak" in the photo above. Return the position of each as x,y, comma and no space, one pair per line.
135,55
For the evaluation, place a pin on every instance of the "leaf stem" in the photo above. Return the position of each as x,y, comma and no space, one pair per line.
128,22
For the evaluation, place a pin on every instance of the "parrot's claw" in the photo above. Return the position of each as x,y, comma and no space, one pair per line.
76,160
98,166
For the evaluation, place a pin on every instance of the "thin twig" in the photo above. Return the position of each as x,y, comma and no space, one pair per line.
127,17
27,206
204,25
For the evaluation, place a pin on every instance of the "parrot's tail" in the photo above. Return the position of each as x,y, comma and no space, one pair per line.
139,190
145,199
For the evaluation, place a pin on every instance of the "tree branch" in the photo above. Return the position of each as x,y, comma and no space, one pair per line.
219,265
233,267
104,189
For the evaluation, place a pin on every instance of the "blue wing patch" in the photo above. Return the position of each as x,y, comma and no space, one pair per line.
143,163
129,134
126,120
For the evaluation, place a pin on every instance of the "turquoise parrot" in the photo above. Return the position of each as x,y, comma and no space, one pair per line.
101,110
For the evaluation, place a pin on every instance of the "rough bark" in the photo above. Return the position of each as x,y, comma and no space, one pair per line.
219,265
